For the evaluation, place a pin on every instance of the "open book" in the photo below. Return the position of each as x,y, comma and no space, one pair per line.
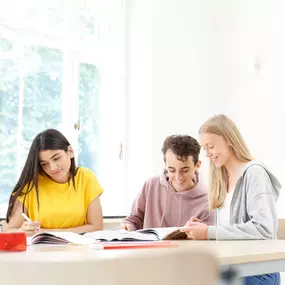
58,238
63,238
151,234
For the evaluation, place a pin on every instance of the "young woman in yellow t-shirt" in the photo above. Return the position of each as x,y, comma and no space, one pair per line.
53,192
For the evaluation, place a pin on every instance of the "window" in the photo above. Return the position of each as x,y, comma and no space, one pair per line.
61,67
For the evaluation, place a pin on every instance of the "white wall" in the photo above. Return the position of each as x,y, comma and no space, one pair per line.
253,30
138,143
191,59
170,63
182,69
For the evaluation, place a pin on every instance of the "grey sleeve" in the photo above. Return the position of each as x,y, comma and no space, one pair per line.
260,208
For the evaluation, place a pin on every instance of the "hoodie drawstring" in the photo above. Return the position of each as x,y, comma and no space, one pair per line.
179,217
164,208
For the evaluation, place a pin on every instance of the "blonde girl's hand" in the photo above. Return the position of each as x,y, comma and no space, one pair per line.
196,231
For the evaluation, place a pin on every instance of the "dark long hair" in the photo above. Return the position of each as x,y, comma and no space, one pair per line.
49,139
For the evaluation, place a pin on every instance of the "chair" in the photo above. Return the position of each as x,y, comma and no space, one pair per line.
281,229
3,225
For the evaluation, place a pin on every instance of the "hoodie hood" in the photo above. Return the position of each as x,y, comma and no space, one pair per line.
197,191
276,185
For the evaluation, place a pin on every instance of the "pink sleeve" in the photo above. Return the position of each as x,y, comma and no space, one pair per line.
136,218
207,218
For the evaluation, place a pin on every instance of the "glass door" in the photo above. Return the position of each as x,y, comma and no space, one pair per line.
61,66
30,92
100,129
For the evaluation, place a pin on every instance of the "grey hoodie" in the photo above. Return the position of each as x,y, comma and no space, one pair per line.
253,206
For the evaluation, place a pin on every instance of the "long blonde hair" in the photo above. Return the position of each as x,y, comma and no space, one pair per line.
222,125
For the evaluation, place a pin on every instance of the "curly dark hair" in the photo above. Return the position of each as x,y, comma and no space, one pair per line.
182,146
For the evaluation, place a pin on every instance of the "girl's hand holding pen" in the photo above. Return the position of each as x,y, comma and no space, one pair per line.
29,227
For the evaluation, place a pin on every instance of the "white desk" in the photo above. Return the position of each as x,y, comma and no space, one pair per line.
252,257
248,257
81,265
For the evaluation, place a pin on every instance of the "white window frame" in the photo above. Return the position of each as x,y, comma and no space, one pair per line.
74,54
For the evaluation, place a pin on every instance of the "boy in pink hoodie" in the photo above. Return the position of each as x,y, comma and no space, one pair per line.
171,199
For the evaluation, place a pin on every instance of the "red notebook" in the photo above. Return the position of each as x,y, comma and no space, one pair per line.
13,242
137,244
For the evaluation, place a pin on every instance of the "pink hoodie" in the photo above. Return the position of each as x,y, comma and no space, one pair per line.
159,205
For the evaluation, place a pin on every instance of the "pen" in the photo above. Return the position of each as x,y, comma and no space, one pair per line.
29,220
26,217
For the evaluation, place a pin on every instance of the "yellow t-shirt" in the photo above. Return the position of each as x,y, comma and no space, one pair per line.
61,206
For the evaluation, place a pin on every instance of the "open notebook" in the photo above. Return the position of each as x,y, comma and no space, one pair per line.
151,234
58,238
62,238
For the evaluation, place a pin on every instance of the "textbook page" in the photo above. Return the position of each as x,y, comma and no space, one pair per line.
120,235
59,238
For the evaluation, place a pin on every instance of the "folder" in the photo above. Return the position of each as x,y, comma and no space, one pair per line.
13,241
